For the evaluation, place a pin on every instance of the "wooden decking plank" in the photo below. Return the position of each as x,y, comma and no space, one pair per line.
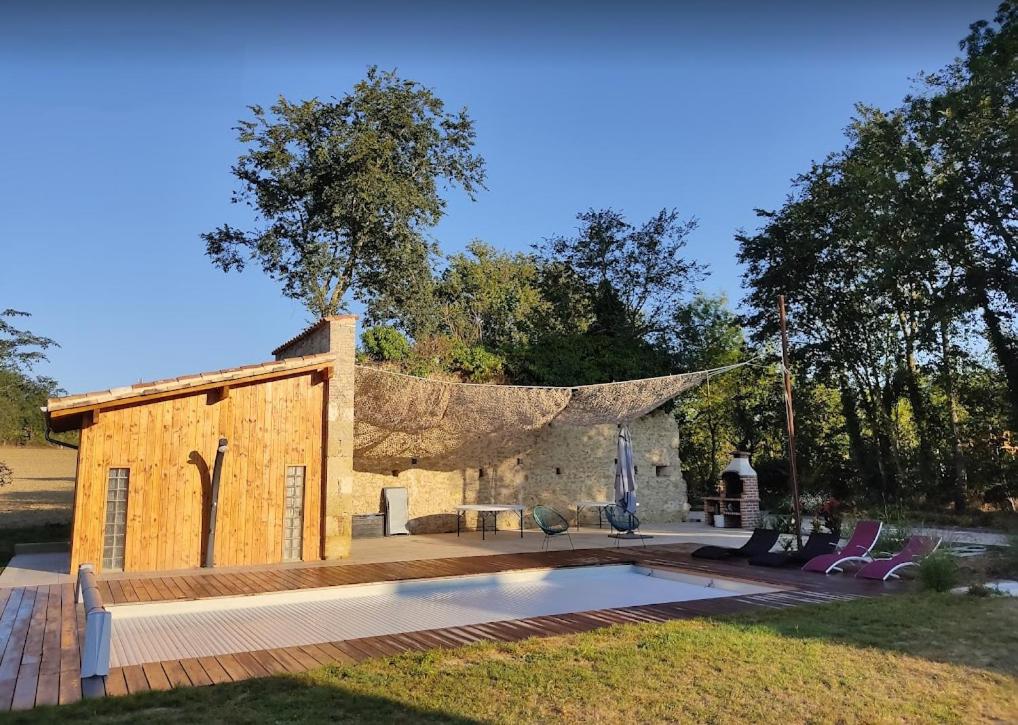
25,686
337,655
306,659
11,662
155,676
233,668
195,672
116,682
214,670
175,674
267,662
70,661
32,652
285,660
253,667
47,691
69,689
354,653
50,663
135,678
316,651
7,693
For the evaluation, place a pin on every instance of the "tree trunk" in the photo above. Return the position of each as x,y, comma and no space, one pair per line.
960,471
917,400
853,426
1000,342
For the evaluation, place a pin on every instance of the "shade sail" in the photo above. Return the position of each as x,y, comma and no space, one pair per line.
399,417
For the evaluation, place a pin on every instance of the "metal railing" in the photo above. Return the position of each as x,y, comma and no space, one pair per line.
95,650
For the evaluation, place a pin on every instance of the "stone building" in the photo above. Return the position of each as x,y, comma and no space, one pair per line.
289,480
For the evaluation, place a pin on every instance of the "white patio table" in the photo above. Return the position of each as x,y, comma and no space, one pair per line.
599,505
484,510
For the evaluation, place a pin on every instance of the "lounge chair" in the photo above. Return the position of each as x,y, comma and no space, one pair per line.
816,545
915,550
552,523
623,522
858,548
760,542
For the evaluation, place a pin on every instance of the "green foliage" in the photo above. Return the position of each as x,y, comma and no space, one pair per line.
386,344
939,572
896,255
343,191
476,363
21,392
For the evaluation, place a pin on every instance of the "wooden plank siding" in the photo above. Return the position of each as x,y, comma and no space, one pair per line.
169,446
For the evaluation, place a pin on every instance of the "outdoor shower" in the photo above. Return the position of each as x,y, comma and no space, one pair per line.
217,472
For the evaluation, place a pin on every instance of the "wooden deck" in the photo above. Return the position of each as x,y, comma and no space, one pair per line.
40,627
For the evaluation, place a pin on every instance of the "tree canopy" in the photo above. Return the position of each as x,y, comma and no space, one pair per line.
343,191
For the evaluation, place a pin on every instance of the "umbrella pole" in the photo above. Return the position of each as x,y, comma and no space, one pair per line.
790,420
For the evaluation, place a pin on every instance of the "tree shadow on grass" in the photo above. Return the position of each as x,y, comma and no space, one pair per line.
952,629
269,699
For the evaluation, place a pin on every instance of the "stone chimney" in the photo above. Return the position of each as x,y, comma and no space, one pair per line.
335,334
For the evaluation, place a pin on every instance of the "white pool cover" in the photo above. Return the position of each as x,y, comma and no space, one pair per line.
178,630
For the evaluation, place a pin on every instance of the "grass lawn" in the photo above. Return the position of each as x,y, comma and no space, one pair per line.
906,658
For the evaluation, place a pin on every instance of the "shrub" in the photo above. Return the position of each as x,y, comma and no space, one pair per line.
938,572
981,590
385,343
477,363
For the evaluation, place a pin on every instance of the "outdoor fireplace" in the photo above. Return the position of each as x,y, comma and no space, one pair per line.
737,505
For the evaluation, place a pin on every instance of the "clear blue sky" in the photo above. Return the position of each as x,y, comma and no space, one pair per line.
116,134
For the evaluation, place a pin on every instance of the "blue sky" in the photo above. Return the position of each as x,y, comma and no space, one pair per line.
116,124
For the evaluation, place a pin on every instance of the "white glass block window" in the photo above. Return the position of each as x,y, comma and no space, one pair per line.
115,533
293,513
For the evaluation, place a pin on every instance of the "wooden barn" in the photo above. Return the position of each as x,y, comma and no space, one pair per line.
146,468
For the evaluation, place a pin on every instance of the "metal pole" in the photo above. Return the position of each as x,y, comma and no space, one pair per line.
790,419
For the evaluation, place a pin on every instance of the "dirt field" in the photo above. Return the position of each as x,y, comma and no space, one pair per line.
43,488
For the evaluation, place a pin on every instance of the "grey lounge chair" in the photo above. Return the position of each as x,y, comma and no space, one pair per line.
553,524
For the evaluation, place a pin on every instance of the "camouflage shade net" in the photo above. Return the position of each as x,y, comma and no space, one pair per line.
401,417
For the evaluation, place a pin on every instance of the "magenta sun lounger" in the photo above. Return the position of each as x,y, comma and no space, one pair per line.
916,549
857,549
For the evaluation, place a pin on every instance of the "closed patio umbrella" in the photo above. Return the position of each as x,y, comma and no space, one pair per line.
625,472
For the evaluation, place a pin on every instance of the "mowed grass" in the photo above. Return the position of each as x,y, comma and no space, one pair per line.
914,658
43,488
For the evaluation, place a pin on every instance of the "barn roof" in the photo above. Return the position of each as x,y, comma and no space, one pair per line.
64,412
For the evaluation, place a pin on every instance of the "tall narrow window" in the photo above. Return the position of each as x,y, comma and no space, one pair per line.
293,513
116,519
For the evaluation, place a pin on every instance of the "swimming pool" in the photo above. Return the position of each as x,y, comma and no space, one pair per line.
207,627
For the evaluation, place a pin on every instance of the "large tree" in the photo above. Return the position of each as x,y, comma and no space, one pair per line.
344,191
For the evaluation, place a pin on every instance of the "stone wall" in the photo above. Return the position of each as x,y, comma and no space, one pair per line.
336,334
561,466
564,466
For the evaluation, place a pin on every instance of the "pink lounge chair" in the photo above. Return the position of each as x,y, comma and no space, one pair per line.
915,550
857,549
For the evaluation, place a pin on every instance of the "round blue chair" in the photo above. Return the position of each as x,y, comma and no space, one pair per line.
623,523
553,524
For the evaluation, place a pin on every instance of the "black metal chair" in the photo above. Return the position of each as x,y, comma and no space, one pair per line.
623,523
553,524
